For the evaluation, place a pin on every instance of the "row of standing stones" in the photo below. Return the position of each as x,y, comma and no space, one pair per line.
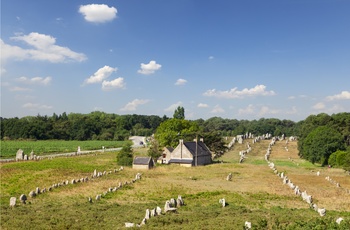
23,198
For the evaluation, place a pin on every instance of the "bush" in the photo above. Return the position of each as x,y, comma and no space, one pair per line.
125,155
338,158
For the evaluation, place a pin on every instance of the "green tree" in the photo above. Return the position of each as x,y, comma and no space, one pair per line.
215,143
170,131
179,113
320,144
125,155
154,150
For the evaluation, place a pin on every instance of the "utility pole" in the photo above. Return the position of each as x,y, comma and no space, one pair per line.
196,160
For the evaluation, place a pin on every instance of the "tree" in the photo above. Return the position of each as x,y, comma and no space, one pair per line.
320,144
154,150
170,131
215,143
179,113
125,155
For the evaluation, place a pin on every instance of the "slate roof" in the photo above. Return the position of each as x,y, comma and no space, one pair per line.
170,149
202,149
142,160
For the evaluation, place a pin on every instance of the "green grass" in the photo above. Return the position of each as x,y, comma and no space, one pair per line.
249,197
9,147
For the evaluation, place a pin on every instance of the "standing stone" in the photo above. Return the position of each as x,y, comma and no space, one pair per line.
19,155
147,215
12,201
37,190
32,194
31,155
98,197
222,202
180,201
23,198
25,157
159,211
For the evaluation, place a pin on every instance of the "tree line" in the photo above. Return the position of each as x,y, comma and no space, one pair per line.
103,126
319,136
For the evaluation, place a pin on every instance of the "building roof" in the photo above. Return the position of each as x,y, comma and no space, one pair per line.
181,161
170,149
142,160
202,149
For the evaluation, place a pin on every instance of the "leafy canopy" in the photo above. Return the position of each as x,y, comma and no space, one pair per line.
125,155
321,143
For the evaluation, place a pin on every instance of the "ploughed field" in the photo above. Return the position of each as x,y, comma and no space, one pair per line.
255,193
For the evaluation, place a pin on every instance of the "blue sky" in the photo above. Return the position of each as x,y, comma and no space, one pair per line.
232,59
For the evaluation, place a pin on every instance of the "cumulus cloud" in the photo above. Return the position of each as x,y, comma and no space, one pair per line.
149,68
114,84
132,106
98,13
264,110
217,109
180,81
44,48
250,109
319,106
344,95
36,106
202,105
35,80
100,75
172,107
258,90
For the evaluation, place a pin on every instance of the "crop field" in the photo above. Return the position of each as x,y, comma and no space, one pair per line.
254,194
9,148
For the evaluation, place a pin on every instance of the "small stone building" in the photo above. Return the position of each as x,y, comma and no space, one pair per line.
143,163
163,159
188,154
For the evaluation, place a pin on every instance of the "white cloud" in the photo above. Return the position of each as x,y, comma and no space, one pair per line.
100,75
259,90
344,95
180,81
36,106
202,105
293,110
149,68
2,71
19,89
217,109
319,106
264,110
98,13
132,106
172,107
117,83
210,57
44,49
248,110
35,80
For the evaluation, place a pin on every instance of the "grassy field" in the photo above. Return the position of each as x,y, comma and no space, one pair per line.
9,147
255,193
